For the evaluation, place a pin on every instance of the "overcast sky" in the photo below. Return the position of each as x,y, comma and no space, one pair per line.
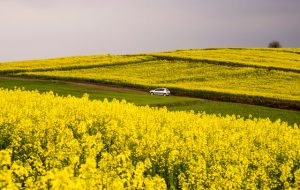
31,29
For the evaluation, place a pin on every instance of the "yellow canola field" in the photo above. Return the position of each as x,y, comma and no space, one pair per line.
56,142
74,62
190,76
280,58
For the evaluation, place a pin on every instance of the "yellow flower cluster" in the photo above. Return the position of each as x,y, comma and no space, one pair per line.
56,142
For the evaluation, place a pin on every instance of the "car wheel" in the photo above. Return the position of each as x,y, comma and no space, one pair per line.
165,94
152,93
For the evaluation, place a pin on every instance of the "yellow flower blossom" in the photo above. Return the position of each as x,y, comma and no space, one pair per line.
52,142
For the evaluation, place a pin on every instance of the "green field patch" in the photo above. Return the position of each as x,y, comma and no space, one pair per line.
172,103
63,89
243,110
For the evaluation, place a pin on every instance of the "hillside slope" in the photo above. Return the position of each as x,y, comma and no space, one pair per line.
267,77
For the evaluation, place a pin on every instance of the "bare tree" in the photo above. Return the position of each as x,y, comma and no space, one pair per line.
274,44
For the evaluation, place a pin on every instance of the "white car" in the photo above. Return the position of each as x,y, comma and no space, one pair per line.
160,91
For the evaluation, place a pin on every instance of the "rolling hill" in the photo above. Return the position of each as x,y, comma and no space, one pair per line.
268,77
